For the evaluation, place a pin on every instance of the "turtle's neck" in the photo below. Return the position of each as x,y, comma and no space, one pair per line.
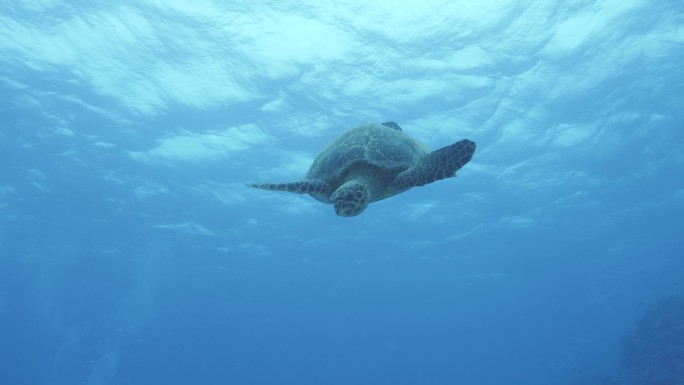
373,178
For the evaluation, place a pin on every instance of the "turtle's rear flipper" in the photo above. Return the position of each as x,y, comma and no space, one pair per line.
315,188
439,164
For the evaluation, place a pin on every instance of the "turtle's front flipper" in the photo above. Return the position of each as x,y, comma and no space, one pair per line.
316,188
439,164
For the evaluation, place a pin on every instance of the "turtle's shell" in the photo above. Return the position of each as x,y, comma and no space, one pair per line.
387,150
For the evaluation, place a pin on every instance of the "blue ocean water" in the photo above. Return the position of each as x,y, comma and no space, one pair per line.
131,251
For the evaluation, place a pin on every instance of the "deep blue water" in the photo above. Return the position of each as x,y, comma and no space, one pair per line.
131,251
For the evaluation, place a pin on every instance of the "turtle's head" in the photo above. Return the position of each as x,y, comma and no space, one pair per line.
350,199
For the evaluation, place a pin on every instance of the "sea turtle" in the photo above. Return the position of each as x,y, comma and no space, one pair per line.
373,162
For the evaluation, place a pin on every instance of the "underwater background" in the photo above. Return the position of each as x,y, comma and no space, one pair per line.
131,251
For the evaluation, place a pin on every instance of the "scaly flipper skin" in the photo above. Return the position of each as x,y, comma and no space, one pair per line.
308,186
439,164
